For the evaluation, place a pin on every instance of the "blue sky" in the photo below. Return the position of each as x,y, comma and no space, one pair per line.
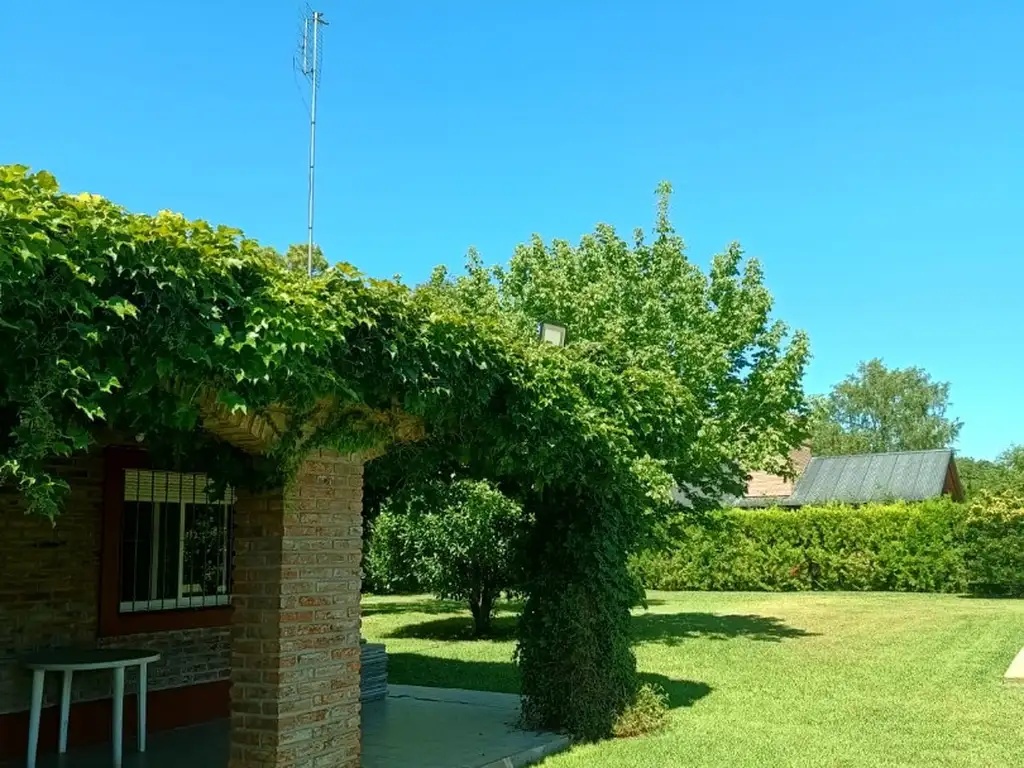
871,154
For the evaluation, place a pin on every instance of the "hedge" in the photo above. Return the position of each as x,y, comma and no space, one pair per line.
934,546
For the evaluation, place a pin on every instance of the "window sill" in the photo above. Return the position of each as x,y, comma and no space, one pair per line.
174,604
165,621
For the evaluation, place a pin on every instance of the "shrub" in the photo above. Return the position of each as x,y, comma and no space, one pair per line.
647,714
575,629
994,546
934,546
458,540
388,561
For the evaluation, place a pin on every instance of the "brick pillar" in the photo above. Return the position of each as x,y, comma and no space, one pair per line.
295,632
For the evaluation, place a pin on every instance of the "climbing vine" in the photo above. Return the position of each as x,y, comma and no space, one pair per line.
117,321
123,323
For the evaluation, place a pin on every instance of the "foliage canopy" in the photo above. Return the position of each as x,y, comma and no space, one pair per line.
117,321
459,540
880,409
704,342
703,383
296,258
1004,475
112,319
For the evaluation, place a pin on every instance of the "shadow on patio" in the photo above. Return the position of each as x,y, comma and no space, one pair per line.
413,727
418,669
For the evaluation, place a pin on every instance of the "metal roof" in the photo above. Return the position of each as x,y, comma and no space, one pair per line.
905,475
758,502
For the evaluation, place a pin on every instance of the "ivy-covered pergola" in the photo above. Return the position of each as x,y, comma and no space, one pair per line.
144,325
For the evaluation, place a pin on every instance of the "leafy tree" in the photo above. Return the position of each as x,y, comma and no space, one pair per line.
458,540
296,259
389,557
880,409
1005,475
137,324
647,314
698,381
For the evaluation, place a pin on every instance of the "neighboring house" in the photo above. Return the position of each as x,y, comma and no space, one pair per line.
766,487
857,479
761,485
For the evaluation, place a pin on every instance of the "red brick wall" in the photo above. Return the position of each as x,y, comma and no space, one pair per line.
295,695
49,597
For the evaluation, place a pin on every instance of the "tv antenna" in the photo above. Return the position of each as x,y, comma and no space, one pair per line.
309,63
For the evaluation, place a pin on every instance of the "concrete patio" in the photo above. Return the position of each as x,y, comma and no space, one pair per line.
1015,674
413,727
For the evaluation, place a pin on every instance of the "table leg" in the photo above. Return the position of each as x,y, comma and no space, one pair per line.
65,710
38,678
143,675
118,713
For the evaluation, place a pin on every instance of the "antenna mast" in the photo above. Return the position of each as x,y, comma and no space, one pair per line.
312,52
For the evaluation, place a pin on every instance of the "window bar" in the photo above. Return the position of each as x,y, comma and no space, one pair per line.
210,537
138,535
229,549
181,549
164,540
120,565
225,543
197,541
154,570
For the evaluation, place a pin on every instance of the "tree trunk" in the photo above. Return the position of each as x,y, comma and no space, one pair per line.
481,605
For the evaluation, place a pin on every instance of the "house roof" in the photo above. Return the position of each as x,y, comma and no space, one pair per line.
765,489
904,475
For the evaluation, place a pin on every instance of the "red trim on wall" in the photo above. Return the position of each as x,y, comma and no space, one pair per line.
111,621
91,721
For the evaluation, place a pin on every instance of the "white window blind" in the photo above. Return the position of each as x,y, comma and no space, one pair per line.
175,542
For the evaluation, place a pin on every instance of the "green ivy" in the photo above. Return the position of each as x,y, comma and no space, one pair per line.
120,322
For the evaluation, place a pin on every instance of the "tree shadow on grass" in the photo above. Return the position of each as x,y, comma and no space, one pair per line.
994,595
393,606
433,671
681,693
457,628
396,606
503,677
666,628
674,628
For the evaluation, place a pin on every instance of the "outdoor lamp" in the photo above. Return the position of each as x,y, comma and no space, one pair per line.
552,334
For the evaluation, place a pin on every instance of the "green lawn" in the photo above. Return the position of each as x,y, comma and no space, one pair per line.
807,679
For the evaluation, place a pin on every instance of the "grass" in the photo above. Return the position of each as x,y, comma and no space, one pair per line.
805,679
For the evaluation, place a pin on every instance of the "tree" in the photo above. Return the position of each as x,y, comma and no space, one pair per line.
296,259
880,409
134,324
697,382
1004,475
458,540
646,311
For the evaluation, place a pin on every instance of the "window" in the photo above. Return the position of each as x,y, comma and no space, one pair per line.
175,544
167,548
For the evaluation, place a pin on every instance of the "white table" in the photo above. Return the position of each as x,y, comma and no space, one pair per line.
70,661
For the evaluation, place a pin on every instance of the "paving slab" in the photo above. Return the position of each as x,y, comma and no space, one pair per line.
418,727
1016,671
413,727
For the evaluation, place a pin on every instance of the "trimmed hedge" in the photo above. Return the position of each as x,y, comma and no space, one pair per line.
935,546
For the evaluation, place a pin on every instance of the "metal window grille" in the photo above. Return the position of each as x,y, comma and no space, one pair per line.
175,542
